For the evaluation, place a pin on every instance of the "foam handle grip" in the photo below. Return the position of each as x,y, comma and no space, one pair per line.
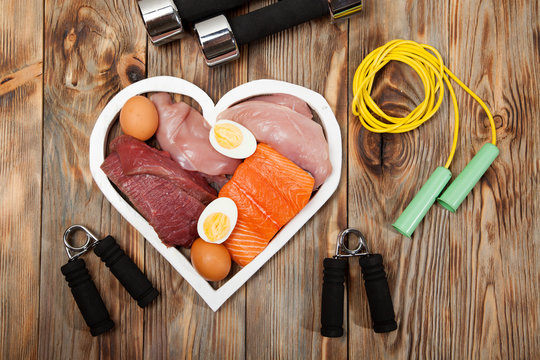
332,297
125,270
275,18
378,293
192,11
87,297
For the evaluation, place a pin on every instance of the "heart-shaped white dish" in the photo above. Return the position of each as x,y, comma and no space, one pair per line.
98,142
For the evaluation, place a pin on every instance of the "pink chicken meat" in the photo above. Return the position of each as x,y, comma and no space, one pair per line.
292,134
290,101
183,133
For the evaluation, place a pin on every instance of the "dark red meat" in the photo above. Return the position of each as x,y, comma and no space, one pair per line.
166,203
137,158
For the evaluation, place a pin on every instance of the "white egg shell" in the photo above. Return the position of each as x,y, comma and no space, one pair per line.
223,205
242,151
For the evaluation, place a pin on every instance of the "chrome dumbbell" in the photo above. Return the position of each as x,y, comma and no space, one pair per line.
220,37
166,20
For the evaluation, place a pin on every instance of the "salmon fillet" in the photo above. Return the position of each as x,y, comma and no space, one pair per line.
269,190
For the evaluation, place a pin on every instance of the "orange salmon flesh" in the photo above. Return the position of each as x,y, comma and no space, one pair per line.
269,190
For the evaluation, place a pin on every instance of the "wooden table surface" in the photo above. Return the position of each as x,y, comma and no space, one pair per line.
465,286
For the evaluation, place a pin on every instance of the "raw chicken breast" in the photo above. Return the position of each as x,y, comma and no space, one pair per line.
293,135
183,133
290,101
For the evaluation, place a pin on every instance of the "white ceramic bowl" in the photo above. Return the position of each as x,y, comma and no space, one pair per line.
98,142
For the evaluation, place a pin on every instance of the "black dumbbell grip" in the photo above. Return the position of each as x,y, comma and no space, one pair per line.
87,297
192,11
125,270
275,18
333,290
378,293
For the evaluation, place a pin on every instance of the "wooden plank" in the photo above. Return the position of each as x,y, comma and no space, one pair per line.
385,172
21,90
92,51
495,237
284,297
181,325
465,286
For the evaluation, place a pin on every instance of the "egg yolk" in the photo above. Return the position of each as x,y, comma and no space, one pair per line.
228,136
216,226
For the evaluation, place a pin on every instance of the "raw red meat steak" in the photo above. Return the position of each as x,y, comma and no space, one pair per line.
164,200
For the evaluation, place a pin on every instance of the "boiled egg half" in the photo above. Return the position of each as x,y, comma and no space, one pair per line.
232,139
217,220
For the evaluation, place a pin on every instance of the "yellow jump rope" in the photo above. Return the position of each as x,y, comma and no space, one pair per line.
427,62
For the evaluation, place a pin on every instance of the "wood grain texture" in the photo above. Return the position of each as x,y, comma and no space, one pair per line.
283,298
21,90
495,235
182,325
385,172
92,50
447,282
464,287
